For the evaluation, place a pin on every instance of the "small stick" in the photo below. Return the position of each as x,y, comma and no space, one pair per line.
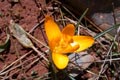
39,53
15,62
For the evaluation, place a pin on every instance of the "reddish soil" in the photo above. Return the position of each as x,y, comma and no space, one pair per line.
26,13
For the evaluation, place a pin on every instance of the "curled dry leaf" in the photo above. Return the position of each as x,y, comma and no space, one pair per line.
20,34
4,45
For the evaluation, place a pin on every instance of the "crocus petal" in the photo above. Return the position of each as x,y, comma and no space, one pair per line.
69,30
60,60
83,41
70,48
52,31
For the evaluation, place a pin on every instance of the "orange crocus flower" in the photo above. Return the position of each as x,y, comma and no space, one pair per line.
64,42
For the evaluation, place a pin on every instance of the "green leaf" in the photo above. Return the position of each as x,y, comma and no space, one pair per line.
81,17
104,32
5,45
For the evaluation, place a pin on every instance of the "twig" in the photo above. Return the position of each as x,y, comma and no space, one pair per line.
16,67
34,27
106,60
29,66
40,54
62,17
69,12
15,62
5,78
102,67
37,40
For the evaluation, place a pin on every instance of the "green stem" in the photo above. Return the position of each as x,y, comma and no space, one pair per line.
102,33
81,17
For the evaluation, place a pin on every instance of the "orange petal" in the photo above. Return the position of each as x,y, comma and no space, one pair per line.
70,48
61,61
52,31
84,42
69,30
66,49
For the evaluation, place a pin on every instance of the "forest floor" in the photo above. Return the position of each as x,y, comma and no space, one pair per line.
20,63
